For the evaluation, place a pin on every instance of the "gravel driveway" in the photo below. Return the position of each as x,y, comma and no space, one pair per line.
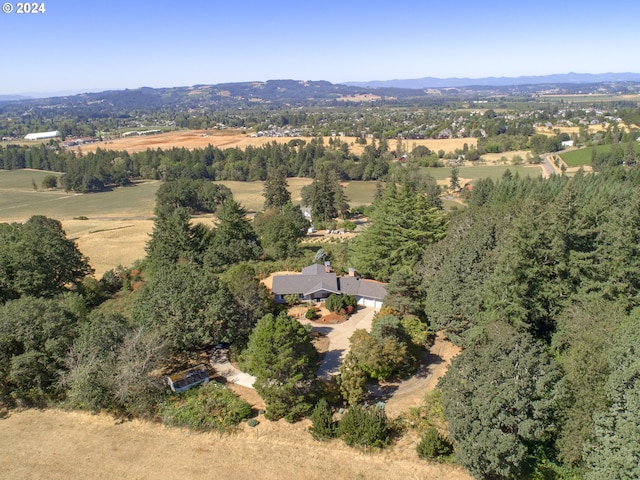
338,336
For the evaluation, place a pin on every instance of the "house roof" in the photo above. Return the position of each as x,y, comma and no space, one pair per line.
305,284
316,269
314,278
362,288
327,286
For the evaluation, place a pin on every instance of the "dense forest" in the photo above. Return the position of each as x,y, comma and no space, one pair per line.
539,281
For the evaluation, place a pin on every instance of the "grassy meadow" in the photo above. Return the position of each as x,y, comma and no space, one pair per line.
471,173
19,200
582,157
113,227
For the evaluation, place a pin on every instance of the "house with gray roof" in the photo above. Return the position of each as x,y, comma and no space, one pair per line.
317,282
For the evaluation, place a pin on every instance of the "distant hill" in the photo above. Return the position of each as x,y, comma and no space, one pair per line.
272,94
564,78
275,94
9,98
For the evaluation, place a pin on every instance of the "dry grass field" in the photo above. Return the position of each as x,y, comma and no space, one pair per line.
61,445
191,139
571,130
56,444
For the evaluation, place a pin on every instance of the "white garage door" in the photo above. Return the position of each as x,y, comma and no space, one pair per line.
367,302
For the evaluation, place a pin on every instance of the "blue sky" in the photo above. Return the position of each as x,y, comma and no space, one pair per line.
97,44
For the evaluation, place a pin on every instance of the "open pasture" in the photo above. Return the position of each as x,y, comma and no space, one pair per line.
68,445
19,200
582,156
472,173
118,222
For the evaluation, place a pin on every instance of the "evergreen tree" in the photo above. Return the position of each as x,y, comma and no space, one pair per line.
234,239
323,427
172,239
326,197
499,399
276,195
402,226
364,427
283,359
615,449
454,181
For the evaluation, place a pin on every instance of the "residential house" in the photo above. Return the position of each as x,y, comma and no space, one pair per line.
317,282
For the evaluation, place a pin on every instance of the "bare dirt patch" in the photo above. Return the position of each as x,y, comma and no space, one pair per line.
409,393
59,445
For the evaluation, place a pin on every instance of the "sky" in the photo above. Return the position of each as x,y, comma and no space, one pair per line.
93,45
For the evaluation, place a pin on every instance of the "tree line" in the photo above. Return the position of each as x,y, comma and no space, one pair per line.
104,168
538,280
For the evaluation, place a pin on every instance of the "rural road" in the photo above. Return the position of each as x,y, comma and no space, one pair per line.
547,166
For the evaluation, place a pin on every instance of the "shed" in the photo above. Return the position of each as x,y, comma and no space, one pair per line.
183,381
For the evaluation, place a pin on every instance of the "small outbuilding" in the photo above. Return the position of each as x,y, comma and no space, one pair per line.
183,381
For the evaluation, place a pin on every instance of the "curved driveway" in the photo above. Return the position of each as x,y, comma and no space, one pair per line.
338,336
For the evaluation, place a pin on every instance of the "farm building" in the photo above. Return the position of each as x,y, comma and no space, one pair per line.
42,135
183,381
317,282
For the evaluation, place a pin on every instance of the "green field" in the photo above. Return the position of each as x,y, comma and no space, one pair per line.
473,173
19,200
577,158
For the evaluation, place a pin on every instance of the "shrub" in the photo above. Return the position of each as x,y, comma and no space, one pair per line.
311,314
347,225
291,298
335,303
364,427
253,423
209,407
323,427
434,446
50,181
